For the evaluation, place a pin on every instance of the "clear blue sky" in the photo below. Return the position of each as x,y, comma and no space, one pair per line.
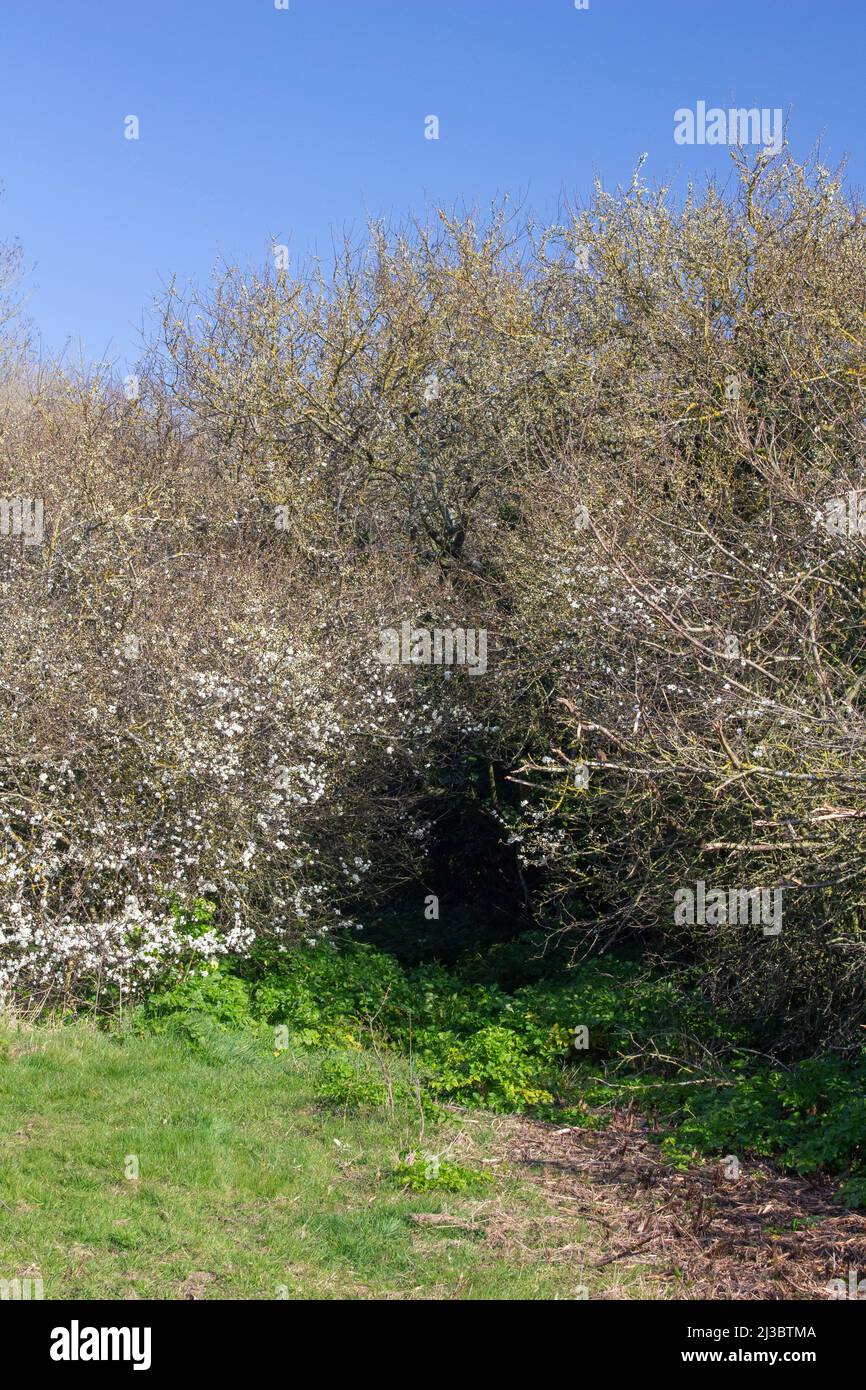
258,123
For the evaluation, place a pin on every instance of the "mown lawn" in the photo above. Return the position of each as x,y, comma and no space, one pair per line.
248,1187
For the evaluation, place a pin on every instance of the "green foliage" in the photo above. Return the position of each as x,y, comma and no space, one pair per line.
494,1067
652,1040
810,1117
210,997
512,964
356,1085
328,996
345,1087
195,918
432,1174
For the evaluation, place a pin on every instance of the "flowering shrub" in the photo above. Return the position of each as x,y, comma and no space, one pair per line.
198,748
690,579
626,451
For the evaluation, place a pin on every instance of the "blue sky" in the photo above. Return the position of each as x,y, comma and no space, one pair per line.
258,123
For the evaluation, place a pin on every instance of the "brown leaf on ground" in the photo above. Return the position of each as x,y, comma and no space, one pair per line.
763,1235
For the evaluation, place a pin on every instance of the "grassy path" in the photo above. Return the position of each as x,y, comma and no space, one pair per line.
247,1188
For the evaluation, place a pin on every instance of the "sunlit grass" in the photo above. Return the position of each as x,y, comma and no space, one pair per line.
247,1187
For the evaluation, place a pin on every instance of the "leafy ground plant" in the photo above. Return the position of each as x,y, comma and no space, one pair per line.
415,1041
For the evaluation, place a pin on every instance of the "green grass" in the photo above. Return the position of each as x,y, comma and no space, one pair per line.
245,1176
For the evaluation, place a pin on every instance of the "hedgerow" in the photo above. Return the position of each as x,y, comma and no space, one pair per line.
626,448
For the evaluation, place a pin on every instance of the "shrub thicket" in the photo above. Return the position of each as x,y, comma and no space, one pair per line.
615,445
